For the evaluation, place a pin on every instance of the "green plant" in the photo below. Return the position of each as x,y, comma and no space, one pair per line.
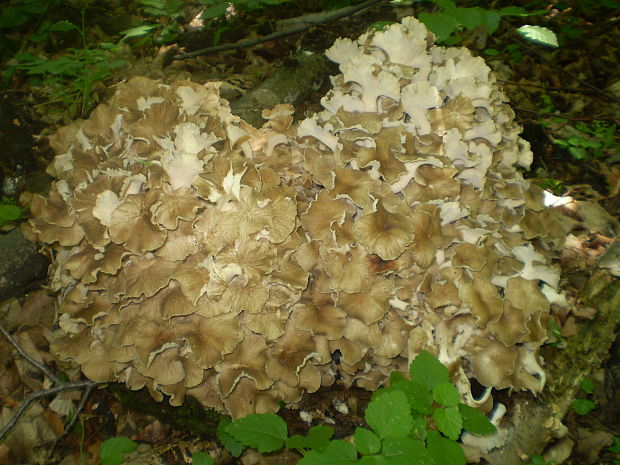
584,406
9,211
615,448
539,460
590,142
113,450
416,420
450,19
163,32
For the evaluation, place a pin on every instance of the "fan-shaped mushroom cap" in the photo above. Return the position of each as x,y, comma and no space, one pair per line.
198,255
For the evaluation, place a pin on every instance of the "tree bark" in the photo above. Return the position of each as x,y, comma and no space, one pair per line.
22,267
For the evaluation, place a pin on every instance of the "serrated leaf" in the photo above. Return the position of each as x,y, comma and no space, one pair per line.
264,432
318,438
367,442
406,451
443,450
230,444
389,415
587,385
583,406
418,396
336,453
538,34
475,421
446,394
428,371
202,458
419,428
449,421
440,24
113,450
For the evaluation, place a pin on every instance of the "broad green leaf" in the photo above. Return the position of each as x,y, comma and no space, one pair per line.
9,213
470,17
202,458
475,421
419,428
446,394
63,26
587,385
366,441
583,406
318,438
264,432
443,450
440,24
447,5
418,396
578,153
112,450
230,444
406,451
389,415
428,371
540,35
449,421
336,453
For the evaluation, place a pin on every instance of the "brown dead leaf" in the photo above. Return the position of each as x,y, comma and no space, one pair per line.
54,420
37,309
596,219
570,327
154,433
30,431
584,312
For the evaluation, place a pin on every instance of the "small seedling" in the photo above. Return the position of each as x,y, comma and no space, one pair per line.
584,406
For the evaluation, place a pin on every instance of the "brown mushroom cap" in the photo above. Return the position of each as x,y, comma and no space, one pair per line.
198,255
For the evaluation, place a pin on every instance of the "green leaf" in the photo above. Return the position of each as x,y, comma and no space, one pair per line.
578,153
475,421
202,458
447,5
449,421
318,438
470,17
64,25
366,441
138,31
443,450
583,406
428,371
420,399
440,24
336,453
264,432
406,451
230,444
446,394
540,35
113,449
9,213
491,52
389,415
420,426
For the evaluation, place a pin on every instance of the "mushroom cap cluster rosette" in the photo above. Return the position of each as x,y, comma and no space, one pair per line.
197,255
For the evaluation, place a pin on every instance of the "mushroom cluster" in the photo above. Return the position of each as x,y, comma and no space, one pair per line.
197,255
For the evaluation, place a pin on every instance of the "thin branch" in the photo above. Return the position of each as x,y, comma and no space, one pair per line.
32,361
44,393
69,426
59,386
302,26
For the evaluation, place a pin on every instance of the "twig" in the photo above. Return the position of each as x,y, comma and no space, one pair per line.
32,361
60,386
304,25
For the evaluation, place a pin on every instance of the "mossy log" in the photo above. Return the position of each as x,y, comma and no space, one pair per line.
535,422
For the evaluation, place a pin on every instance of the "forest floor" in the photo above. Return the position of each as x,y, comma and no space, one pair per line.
567,100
